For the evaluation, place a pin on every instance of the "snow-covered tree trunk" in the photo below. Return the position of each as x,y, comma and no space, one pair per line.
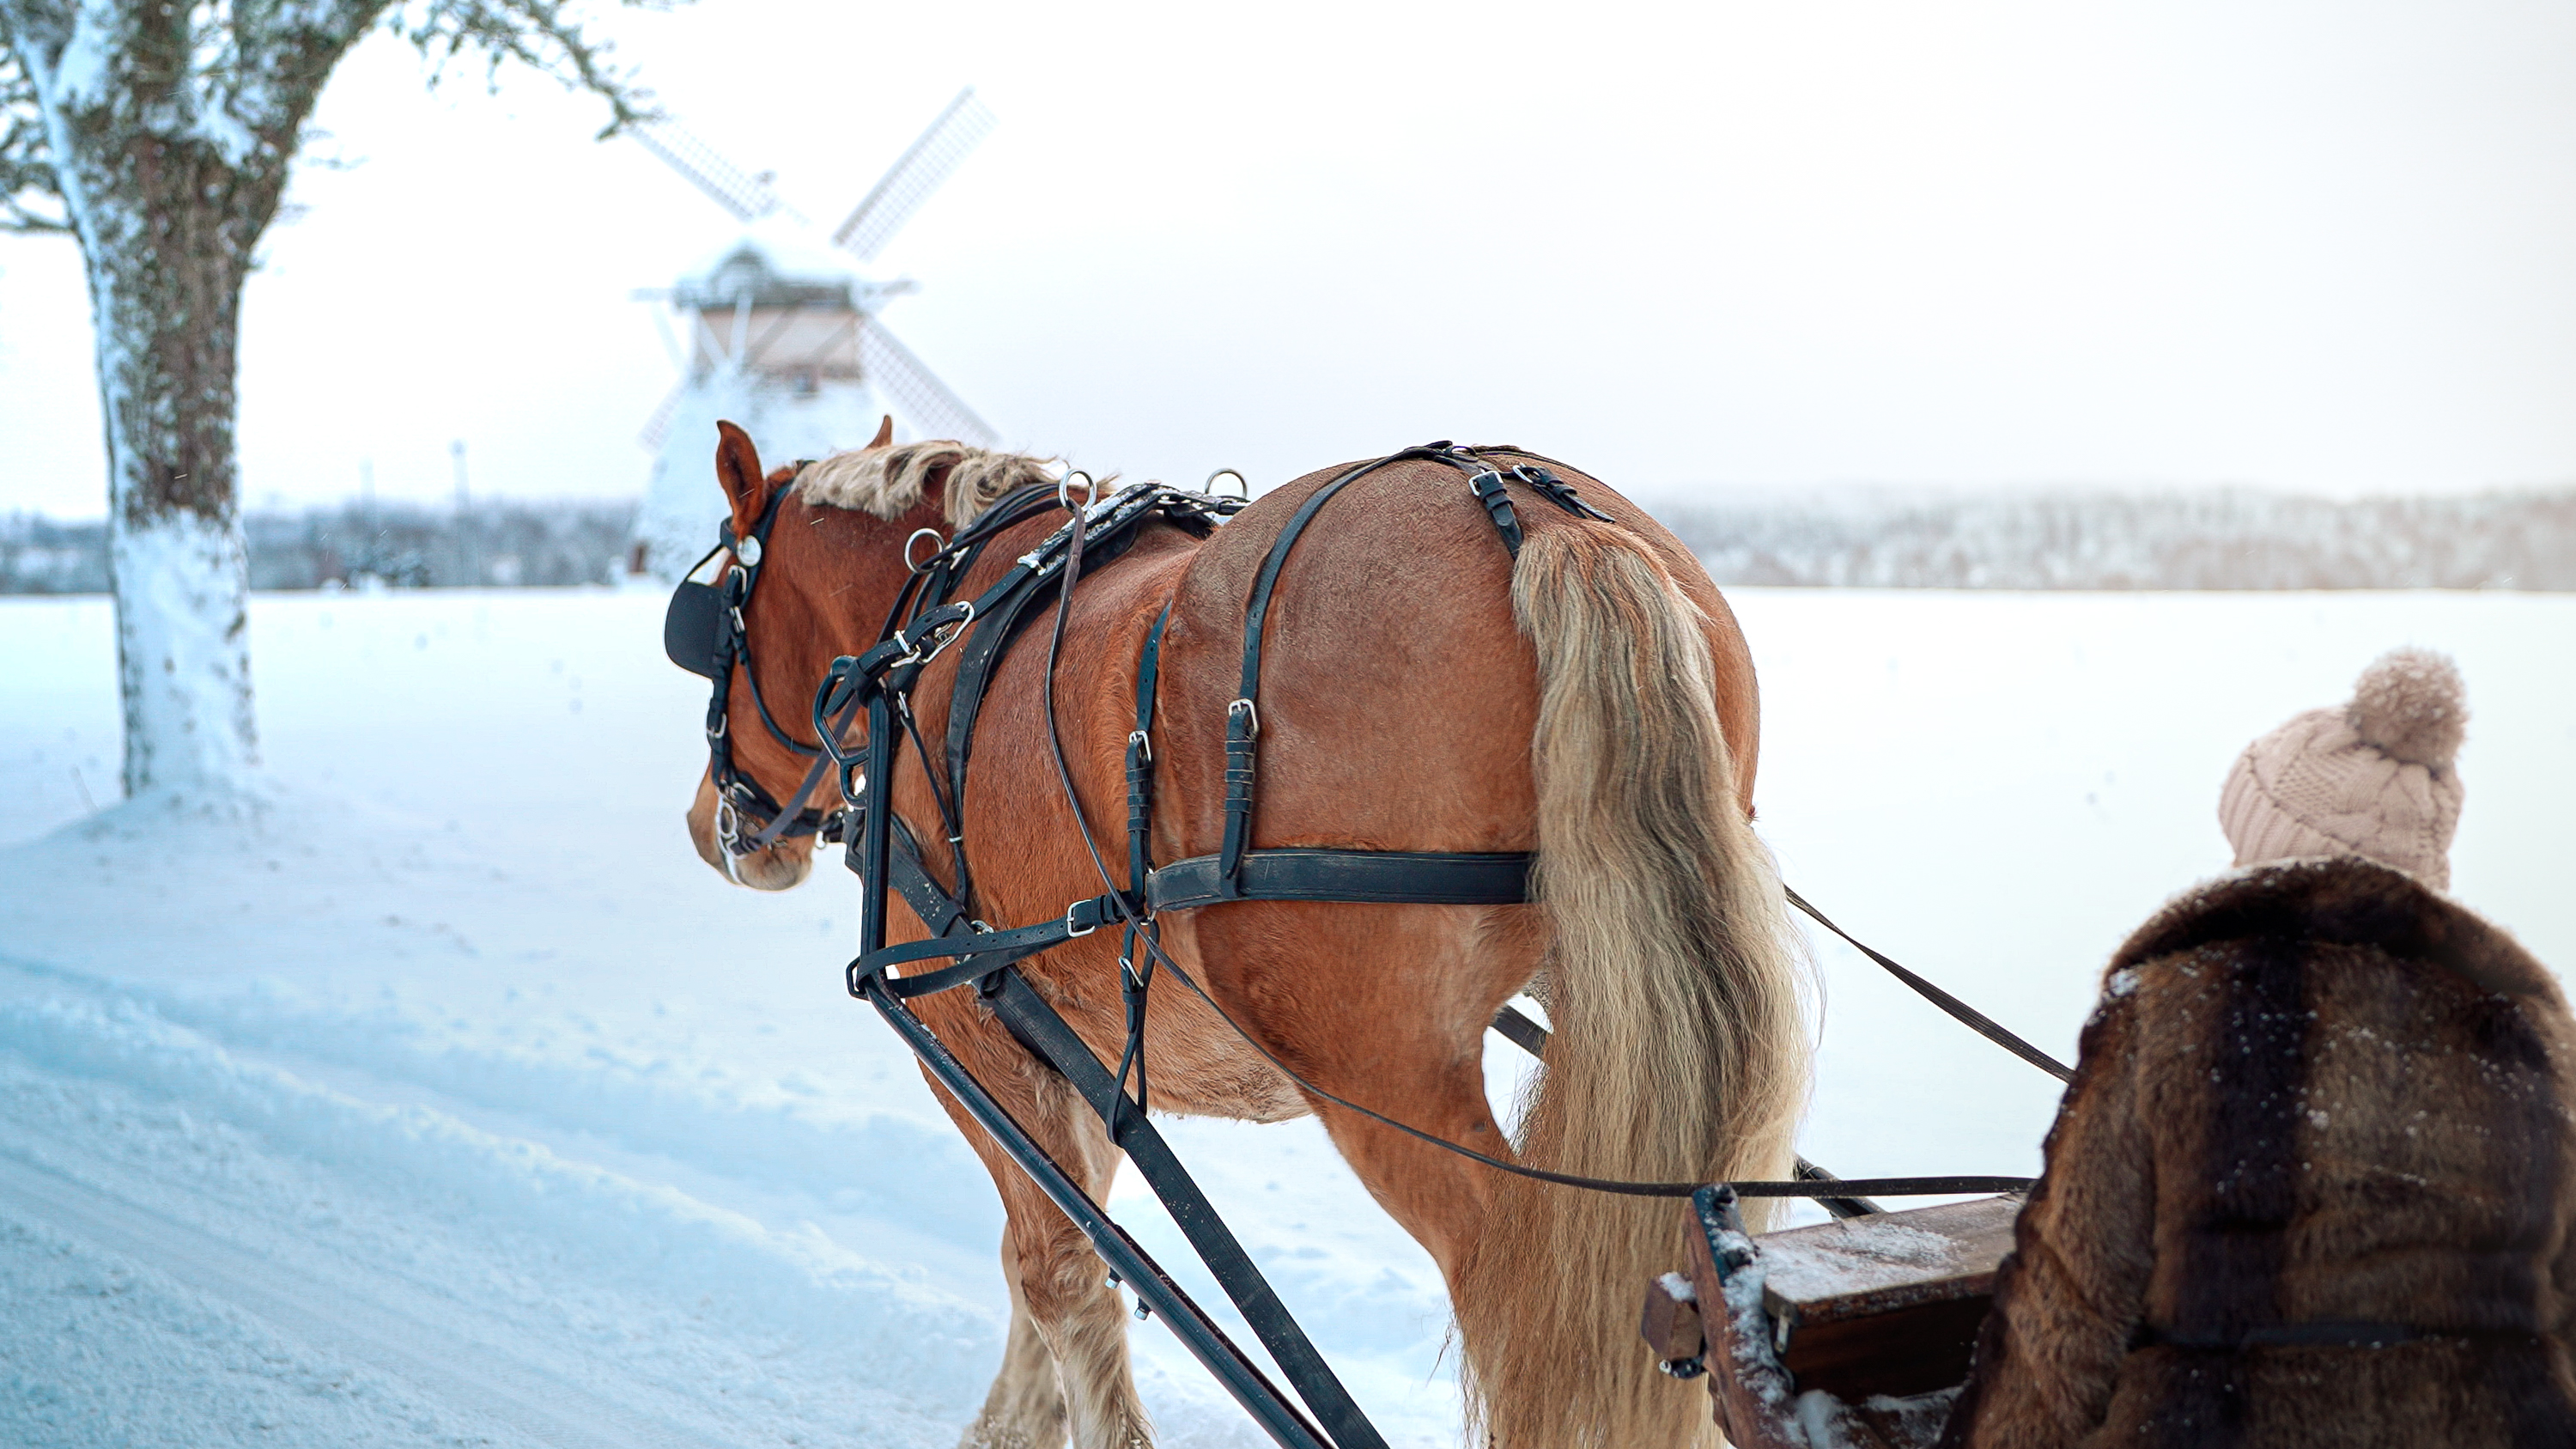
167,232
164,132
168,185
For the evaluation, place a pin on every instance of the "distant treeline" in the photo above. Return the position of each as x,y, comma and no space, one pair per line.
2208,539
497,543
2203,539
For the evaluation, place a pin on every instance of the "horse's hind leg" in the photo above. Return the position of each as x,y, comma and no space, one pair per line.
1060,1290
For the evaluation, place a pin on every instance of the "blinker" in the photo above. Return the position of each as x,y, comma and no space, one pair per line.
691,628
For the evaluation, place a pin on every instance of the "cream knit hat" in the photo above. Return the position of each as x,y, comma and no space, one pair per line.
2373,778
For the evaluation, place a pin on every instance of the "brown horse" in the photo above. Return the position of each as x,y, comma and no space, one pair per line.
1591,701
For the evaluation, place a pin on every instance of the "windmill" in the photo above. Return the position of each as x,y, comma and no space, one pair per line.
783,332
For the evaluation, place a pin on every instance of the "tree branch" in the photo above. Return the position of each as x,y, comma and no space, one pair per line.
540,34
26,163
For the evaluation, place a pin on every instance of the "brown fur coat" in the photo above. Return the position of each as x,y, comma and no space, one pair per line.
2315,1093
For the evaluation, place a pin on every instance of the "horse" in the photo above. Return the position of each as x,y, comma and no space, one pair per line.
1586,696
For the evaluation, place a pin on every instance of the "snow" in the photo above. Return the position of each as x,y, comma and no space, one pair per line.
79,76
447,1097
186,675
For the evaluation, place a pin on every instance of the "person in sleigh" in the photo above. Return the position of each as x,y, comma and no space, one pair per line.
2314,1179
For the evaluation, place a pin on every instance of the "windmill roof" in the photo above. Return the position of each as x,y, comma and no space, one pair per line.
789,248
775,262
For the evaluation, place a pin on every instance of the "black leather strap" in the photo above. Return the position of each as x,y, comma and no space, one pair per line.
1243,715
1385,877
1036,1023
1011,613
1128,1263
1140,758
1959,1011
1514,1026
1487,485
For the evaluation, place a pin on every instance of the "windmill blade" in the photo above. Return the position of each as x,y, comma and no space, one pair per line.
658,426
924,400
915,174
748,197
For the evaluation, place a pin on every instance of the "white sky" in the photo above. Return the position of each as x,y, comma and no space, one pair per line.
2306,245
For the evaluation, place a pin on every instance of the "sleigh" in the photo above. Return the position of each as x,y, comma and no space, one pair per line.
1854,1334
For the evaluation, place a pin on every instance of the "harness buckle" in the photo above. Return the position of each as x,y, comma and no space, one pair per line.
943,636
1252,714
1139,740
1069,932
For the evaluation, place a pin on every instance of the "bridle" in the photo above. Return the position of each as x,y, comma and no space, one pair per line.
703,632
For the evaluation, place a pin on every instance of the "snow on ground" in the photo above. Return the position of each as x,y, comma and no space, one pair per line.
450,1099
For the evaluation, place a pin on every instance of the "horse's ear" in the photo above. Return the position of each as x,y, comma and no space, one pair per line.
738,470
885,434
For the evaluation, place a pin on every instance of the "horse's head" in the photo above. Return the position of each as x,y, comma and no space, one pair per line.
812,560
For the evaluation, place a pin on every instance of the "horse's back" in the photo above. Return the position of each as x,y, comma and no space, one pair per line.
1397,693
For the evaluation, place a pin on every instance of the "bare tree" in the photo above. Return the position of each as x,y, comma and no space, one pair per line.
161,134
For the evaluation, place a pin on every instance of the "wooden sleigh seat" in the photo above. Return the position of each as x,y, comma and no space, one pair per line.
1853,1334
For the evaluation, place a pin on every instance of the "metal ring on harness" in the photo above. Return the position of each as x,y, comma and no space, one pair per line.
918,534
1064,489
1242,485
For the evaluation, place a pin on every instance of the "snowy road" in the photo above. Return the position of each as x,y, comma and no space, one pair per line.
471,1379
399,1113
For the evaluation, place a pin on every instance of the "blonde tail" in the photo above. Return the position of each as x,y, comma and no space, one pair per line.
1679,1047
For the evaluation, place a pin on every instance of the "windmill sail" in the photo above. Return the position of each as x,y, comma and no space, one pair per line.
784,340
924,400
658,426
748,197
915,175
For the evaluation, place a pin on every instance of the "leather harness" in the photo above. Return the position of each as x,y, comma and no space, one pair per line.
704,632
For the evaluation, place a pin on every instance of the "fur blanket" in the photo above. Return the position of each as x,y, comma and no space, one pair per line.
2320,1108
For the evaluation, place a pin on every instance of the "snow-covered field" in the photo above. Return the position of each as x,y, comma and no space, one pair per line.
453,1100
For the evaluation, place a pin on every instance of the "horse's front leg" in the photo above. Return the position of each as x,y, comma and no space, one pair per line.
1065,1367
1025,1407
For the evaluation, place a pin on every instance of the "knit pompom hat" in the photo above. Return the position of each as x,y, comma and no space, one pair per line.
2373,778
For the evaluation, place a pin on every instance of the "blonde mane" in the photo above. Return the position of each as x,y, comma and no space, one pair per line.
890,482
